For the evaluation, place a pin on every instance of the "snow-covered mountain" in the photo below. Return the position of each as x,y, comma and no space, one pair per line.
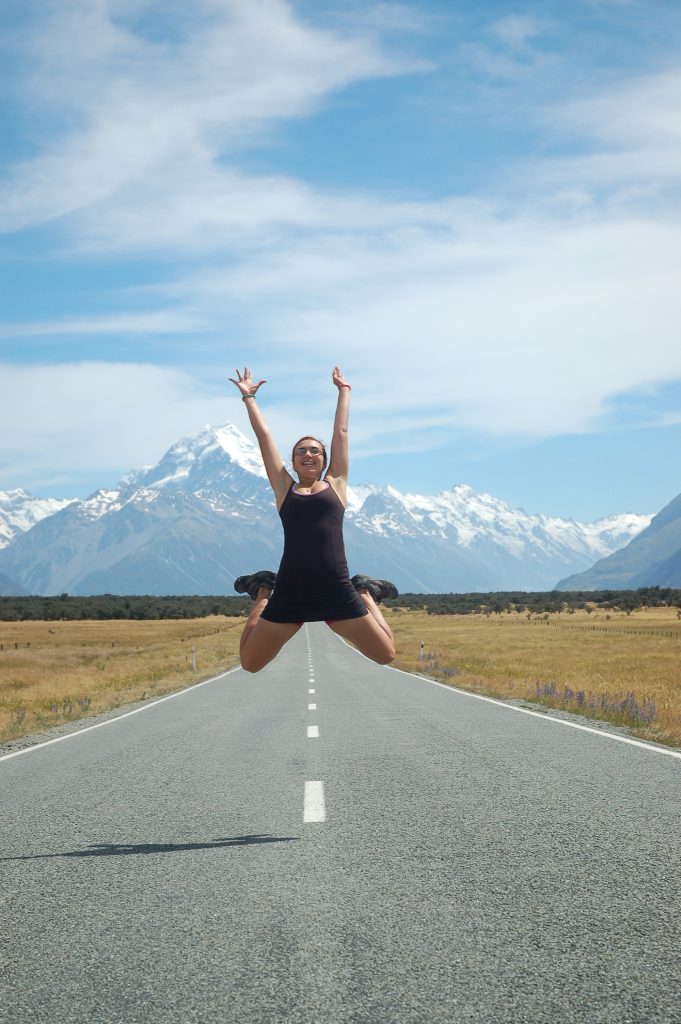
20,511
205,514
487,544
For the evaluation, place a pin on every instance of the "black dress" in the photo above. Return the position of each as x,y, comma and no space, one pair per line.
313,582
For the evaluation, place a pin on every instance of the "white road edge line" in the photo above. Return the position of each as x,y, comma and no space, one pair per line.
126,714
544,717
314,806
313,732
548,718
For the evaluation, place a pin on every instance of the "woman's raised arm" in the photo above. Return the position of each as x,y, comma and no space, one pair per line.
339,463
277,474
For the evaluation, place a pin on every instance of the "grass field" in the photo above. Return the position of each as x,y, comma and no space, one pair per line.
625,668
73,669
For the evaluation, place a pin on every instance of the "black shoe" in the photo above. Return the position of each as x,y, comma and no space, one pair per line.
377,588
251,584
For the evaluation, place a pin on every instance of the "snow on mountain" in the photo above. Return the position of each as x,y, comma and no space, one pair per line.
19,511
203,455
99,504
239,448
205,514
471,519
196,464
358,495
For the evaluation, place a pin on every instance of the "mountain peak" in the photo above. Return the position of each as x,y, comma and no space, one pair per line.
239,448
196,455
227,438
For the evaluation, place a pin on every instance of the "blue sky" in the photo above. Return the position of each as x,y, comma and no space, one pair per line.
473,208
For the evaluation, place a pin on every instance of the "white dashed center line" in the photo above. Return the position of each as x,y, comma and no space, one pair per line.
313,732
311,707
311,691
314,808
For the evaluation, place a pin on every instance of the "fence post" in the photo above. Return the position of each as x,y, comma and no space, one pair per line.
194,658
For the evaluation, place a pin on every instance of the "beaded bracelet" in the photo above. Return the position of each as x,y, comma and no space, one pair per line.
245,397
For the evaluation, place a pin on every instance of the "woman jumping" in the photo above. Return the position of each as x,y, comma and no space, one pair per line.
312,583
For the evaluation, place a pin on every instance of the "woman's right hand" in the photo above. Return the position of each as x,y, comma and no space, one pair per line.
245,384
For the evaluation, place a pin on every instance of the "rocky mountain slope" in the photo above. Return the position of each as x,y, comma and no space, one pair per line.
8,588
651,559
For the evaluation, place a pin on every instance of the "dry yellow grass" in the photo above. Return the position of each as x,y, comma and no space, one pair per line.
72,669
604,656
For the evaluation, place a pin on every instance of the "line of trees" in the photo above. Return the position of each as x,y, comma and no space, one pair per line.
114,606
541,601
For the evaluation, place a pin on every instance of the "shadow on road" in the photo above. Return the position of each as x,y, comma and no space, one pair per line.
130,849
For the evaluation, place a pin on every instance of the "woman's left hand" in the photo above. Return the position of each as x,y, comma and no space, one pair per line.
338,378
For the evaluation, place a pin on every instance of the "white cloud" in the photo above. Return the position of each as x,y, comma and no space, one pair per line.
630,145
389,17
524,323
644,112
522,312
508,50
159,322
99,420
535,346
94,419
516,30
137,109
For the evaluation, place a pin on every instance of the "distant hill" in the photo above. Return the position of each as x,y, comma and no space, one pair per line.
8,588
651,559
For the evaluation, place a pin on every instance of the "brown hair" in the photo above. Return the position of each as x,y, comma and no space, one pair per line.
309,437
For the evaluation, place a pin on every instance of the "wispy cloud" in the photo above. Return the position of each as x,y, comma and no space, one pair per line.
522,315
626,133
516,31
389,17
73,420
137,110
510,50
159,322
520,310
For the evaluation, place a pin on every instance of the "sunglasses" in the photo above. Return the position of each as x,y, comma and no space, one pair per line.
312,450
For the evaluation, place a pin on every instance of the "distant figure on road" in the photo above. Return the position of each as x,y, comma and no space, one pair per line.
312,583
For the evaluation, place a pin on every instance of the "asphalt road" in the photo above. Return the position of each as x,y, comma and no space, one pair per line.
474,863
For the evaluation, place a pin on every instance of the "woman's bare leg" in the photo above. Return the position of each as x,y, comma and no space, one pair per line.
255,613
375,611
261,640
370,634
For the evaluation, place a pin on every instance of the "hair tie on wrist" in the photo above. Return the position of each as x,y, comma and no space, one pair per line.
344,386
245,397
